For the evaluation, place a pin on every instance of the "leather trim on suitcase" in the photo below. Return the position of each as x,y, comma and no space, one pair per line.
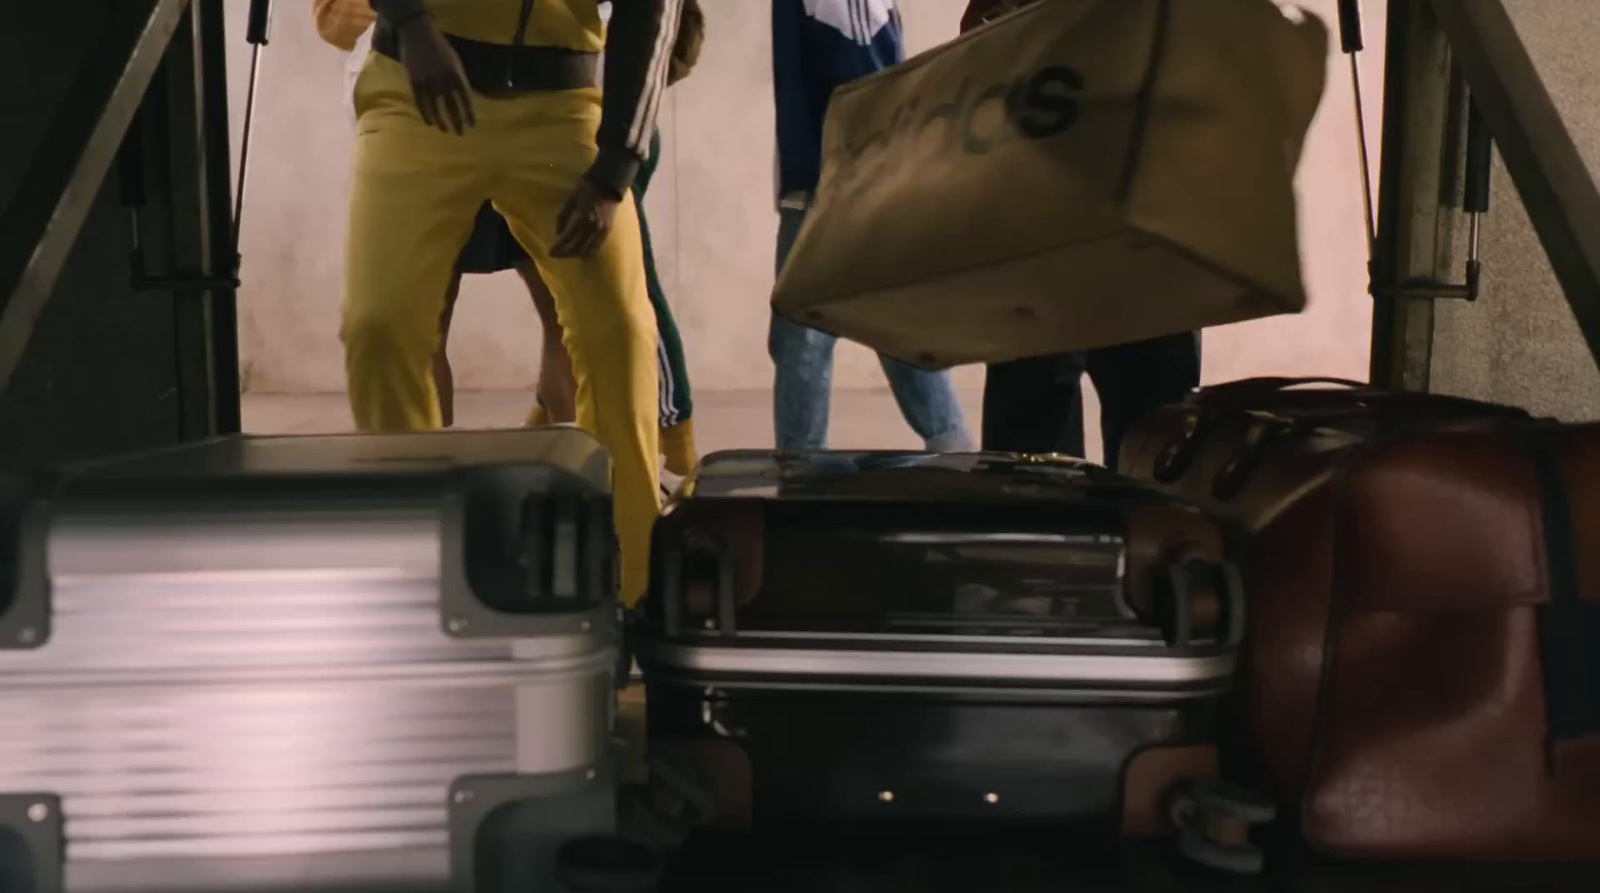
1151,778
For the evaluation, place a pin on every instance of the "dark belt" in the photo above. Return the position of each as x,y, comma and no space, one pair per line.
495,69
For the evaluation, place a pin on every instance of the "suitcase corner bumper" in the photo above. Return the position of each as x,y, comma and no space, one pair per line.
520,821
24,579
32,845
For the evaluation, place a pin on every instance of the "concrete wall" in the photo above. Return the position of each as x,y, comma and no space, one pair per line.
1519,343
712,217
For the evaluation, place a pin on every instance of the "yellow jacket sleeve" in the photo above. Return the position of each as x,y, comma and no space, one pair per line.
341,22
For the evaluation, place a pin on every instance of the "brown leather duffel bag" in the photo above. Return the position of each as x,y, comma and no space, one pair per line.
1422,663
1259,444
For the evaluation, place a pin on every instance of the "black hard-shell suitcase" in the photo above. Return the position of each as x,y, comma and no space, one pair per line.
899,639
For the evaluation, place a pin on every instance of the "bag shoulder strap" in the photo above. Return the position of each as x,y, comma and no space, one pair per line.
1569,623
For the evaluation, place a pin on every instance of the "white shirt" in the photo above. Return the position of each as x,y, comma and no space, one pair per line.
352,71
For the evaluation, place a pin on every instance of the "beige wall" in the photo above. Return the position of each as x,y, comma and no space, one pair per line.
711,213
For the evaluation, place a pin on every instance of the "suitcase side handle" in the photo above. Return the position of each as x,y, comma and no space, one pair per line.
699,555
526,555
25,605
1207,599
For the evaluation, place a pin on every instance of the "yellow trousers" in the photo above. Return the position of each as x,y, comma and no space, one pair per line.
416,194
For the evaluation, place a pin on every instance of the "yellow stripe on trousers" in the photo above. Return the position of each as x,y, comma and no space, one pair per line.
416,194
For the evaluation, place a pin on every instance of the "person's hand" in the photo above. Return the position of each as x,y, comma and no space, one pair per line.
585,221
439,83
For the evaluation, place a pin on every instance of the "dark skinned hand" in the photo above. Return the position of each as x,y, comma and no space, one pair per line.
438,81
585,221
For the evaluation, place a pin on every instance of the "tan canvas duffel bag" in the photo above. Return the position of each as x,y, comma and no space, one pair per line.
1078,174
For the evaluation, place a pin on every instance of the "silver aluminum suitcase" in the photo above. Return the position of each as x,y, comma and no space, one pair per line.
316,663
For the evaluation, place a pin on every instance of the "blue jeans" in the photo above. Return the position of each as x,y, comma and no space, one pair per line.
803,384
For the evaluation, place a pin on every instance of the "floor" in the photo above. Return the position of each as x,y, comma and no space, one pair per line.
866,419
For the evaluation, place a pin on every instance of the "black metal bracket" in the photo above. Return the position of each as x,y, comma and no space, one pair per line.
181,280
1475,201
32,844
680,561
529,817
1428,290
131,182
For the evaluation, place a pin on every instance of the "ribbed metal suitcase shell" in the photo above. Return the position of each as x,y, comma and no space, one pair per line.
249,680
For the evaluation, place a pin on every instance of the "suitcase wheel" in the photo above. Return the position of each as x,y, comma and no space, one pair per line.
1204,600
1222,799
638,820
662,813
698,792
1197,847
1214,821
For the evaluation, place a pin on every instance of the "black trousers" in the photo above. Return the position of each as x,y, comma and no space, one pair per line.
1035,405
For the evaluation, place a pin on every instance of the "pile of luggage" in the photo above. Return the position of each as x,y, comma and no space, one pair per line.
1302,614
1311,614
1361,621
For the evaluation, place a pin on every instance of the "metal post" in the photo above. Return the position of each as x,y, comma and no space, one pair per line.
1414,227
221,234
186,218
